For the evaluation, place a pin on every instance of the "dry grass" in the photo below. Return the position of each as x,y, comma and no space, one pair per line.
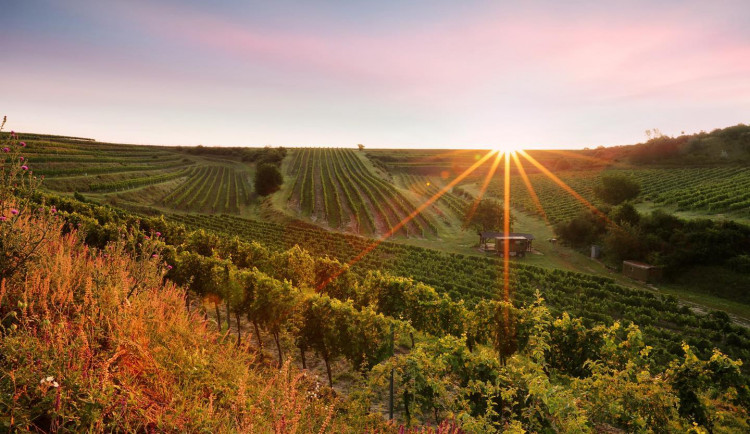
78,354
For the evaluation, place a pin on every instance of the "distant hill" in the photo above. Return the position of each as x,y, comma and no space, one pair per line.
729,145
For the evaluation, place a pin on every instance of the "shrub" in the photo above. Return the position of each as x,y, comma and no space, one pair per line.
616,189
268,179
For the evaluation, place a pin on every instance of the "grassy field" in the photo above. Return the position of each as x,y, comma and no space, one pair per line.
370,192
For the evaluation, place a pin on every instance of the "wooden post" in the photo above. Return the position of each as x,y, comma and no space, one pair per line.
390,401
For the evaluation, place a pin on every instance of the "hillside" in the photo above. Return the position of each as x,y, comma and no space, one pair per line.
95,340
542,356
730,145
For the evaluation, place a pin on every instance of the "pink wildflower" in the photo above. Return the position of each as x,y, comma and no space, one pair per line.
14,211
154,255
22,158
24,167
6,149
53,210
158,234
169,267
23,144
3,218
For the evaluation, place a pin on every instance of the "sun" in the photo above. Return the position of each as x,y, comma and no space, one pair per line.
506,148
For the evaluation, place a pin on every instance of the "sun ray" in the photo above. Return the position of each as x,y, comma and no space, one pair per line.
406,219
530,188
563,185
482,190
506,229
508,324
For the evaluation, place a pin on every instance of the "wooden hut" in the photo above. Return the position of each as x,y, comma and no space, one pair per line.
491,241
641,271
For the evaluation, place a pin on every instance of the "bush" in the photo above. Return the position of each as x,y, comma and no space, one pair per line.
488,216
268,179
583,230
616,189
625,213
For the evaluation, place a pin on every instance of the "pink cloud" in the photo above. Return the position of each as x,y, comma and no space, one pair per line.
593,52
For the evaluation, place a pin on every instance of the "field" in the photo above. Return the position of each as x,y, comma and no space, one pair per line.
306,277
155,177
370,192
336,186
391,218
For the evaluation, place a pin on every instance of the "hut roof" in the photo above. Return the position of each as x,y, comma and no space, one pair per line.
639,264
493,234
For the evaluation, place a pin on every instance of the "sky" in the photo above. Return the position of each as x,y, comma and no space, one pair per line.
387,73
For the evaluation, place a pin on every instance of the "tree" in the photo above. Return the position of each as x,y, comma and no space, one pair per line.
624,242
268,179
585,229
616,189
625,213
361,147
488,216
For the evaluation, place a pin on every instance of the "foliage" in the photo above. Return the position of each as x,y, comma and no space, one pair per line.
729,143
82,352
625,214
20,235
489,215
488,365
268,179
616,188
587,228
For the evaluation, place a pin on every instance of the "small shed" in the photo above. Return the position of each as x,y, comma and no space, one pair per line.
491,241
641,271
596,251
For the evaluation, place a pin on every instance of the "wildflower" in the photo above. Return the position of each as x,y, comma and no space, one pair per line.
12,134
23,144
53,210
169,267
6,149
49,381
3,218
24,167
158,234
14,211
154,255
22,158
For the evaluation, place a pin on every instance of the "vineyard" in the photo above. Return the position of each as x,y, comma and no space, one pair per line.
427,187
715,189
437,322
210,189
335,186
158,176
471,279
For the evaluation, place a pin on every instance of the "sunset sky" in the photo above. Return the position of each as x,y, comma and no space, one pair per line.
449,74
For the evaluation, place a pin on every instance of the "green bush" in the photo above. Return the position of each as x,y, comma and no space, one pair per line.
268,179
